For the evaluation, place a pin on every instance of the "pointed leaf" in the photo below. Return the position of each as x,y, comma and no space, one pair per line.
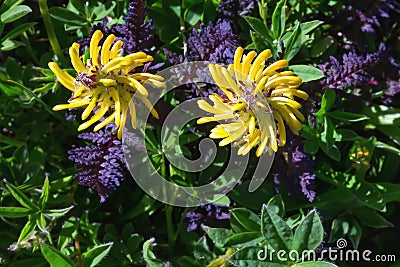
21,197
55,257
248,219
28,229
14,212
14,13
95,255
244,239
45,194
309,234
275,230
307,73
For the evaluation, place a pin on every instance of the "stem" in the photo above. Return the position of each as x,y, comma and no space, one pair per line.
168,212
44,11
78,251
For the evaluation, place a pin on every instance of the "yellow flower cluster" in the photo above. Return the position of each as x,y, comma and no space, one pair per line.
240,83
105,83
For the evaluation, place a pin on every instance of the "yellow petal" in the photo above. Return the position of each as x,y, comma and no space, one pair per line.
75,60
115,48
105,49
258,63
94,49
62,76
106,121
247,62
270,70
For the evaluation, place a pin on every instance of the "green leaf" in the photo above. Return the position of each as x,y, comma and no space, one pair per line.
293,43
309,234
258,26
275,230
248,219
28,229
93,256
329,133
244,239
21,197
78,5
218,235
276,203
355,233
347,116
54,257
17,31
372,218
311,146
314,264
320,46
387,147
309,26
67,16
14,212
8,45
333,152
307,73
7,4
328,99
383,115
193,15
103,10
45,194
14,13
10,89
279,19
57,212
346,135
149,256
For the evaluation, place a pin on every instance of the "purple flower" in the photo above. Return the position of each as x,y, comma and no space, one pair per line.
136,33
208,214
352,70
306,183
233,10
102,164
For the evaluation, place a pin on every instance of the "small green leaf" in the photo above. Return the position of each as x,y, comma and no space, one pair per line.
333,152
311,146
279,19
57,212
275,230
93,256
355,233
17,31
244,239
293,43
309,26
55,257
248,219
28,228
328,99
372,218
21,197
14,212
387,147
346,135
67,16
307,73
328,136
193,14
10,89
347,116
309,234
258,26
45,194
14,13
276,203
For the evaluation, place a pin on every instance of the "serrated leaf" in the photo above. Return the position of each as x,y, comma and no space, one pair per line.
14,13
307,73
275,230
93,256
55,257
14,212
309,234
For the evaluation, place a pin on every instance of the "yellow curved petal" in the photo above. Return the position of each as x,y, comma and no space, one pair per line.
75,60
62,76
105,49
94,49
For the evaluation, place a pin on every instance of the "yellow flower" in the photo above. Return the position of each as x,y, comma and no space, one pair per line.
240,84
105,84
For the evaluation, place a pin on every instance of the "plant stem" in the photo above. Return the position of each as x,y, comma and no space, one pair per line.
168,212
44,11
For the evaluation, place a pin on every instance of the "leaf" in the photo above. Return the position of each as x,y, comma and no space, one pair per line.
78,5
275,230
307,27
293,43
276,203
257,25
57,212
93,256
149,256
54,257
383,115
8,45
10,89
14,212
328,99
329,133
21,197
372,218
355,233
320,46
14,13
67,16
45,194
346,135
28,229
307,73
309,234
17,31
279,19
248,219
244,239
218,235
387,147
311,146
347,116
193,14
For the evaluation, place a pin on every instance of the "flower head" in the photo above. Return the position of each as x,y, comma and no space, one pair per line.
106,82
234,109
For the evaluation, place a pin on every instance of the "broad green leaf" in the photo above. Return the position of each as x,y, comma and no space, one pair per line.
309,234
248,219
45,194
279,19
103,10
14,13
311,146
244,239
7,4
14,212
275,230
372,218
329,133
93,256
276,203
55,257
78,5
21,197
218,235
347,116
307,73
67,16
